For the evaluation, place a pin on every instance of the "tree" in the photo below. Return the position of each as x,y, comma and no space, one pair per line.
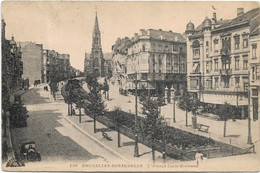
225,112
119,118
188,104
96,105
184,102
5,105
80,99
54,79
70,96
19,114
152,122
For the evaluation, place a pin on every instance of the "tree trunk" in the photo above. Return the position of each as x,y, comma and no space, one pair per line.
225,126
71,109
153,150
105,95
79,115
186,118
108,95
118,136
95,123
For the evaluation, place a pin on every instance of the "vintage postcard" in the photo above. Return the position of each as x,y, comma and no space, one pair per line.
130,86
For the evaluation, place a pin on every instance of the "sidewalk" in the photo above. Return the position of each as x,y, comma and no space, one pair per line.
125,152
236,132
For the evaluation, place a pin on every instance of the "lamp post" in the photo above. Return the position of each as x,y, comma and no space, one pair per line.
249,138
136,153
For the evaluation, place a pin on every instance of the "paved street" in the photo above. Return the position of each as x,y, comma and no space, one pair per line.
66,144
56,139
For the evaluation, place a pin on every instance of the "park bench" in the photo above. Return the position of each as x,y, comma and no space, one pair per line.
104,134
203,128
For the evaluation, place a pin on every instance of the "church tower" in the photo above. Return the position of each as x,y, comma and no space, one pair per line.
96,56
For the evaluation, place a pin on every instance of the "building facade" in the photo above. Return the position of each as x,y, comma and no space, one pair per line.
12,65
157,59
119,56
56,66
32,55
254,64
95,62
218,54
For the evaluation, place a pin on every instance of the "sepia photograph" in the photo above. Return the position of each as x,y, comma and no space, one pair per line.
109,86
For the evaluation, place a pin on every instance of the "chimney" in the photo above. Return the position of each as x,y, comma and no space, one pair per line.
135,36
214,17
240,11
142,32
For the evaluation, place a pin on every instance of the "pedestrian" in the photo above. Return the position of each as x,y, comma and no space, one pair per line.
198,157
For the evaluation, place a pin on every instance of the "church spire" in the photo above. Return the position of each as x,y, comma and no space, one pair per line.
96,28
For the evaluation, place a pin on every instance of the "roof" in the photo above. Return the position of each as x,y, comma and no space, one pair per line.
166,35
121,45
252,17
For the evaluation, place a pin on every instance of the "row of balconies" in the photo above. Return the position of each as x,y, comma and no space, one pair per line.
223,72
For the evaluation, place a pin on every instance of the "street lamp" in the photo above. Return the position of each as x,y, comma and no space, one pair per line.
136,153
249,138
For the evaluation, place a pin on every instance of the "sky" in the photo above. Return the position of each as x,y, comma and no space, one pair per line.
67,27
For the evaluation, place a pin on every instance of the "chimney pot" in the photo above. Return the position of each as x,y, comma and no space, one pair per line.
240,11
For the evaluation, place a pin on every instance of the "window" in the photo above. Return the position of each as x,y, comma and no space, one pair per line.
245,63
207,44
226,63
175,48
180,49
237,40
207,67
237,63
216,64
245,43
254,92
143,48
208,84
237,80
194,83
216,45
196,67
226,79
216,82
168,64
196,53
245,82
255,73
254,47
160,60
